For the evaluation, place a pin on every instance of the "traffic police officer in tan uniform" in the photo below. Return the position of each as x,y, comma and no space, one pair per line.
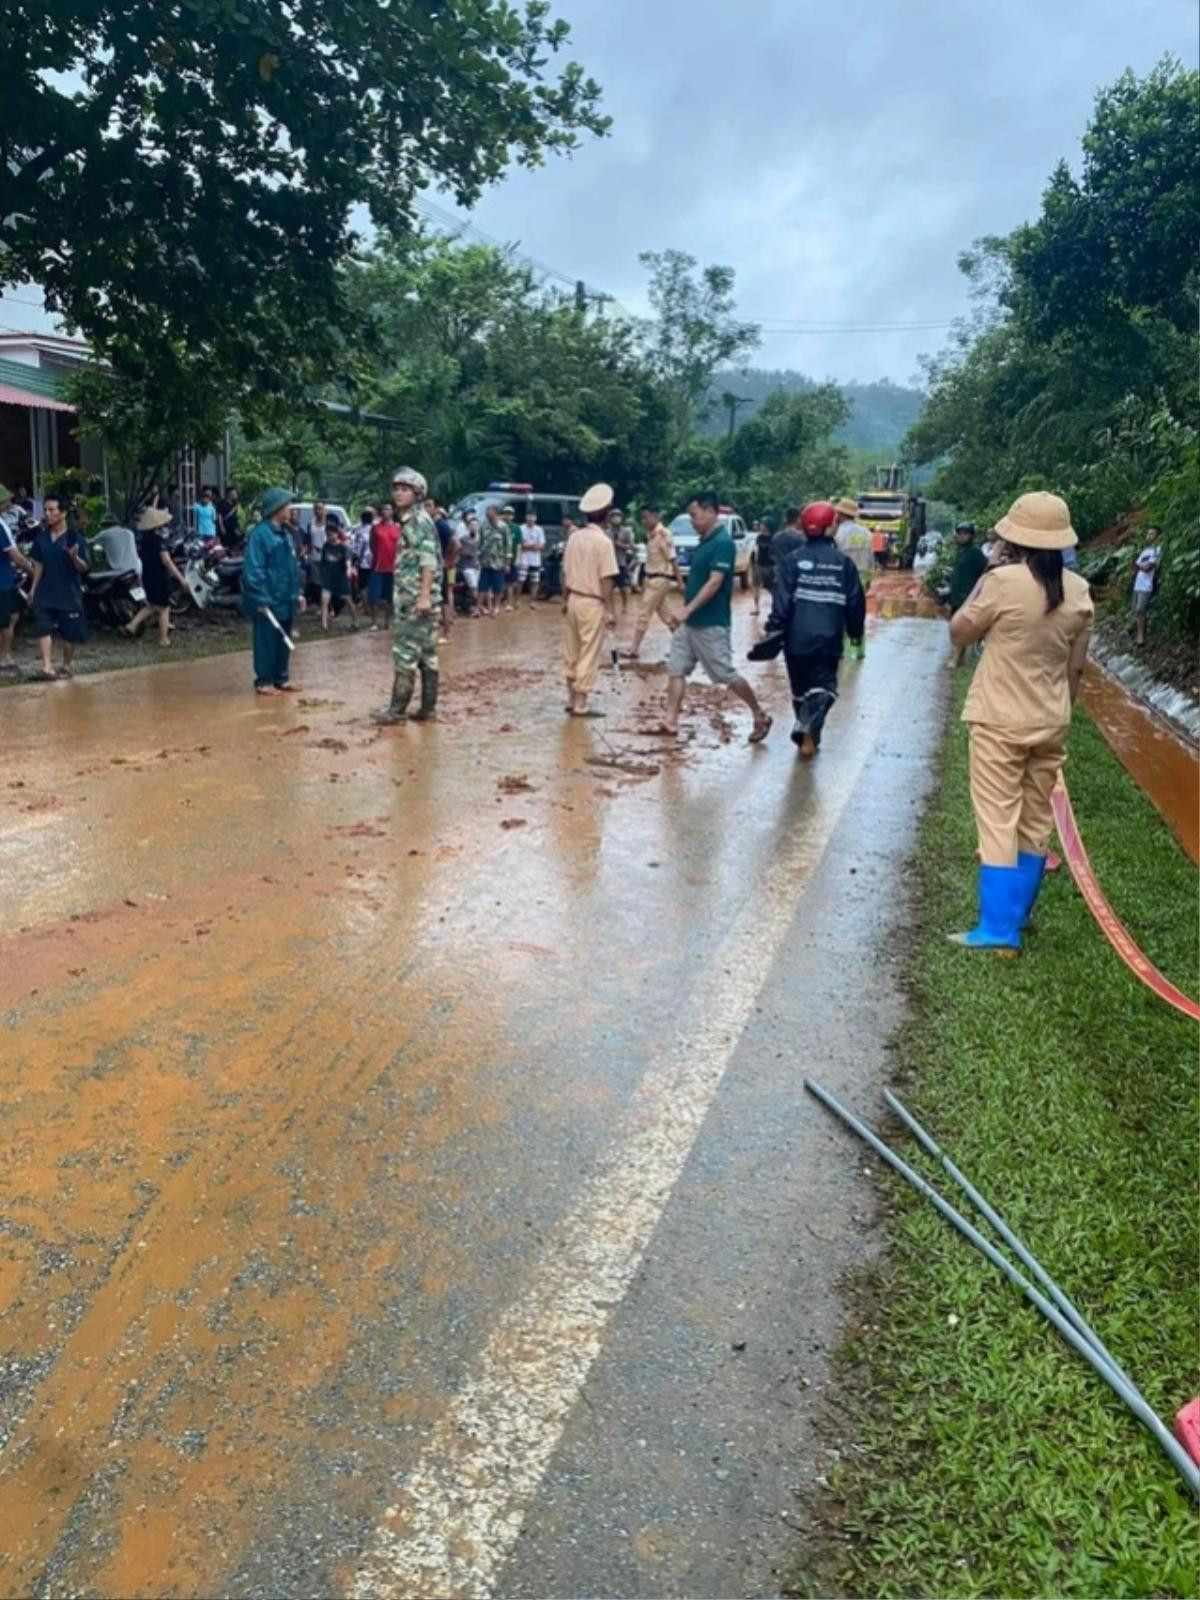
1035,619
661,574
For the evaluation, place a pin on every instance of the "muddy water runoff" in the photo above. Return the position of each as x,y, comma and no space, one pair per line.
1163,765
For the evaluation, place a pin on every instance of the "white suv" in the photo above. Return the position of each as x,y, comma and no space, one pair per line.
686,539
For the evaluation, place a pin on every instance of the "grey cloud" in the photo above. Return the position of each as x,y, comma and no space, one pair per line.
839,156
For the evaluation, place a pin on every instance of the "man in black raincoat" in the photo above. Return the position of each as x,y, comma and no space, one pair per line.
819,602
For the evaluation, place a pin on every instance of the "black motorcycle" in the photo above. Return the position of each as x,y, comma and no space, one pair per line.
551,581
112,599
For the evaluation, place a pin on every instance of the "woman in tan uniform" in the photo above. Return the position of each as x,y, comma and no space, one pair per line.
1036,619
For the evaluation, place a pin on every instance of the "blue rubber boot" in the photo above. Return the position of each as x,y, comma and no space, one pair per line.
1001,905
1033,870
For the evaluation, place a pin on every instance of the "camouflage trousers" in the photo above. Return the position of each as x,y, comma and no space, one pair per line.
414,643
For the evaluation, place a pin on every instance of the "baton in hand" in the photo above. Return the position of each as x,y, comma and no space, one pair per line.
279,628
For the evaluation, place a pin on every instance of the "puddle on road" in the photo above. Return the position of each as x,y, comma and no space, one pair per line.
1163,766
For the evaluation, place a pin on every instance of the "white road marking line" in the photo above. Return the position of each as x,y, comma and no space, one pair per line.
460,1510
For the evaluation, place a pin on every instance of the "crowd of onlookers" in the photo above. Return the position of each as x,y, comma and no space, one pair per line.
489,563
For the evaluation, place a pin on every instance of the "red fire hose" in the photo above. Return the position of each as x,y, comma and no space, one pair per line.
1114,929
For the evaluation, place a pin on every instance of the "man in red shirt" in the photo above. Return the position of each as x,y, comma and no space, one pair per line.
384,536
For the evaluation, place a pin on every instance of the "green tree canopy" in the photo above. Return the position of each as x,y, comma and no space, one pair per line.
488,374
180,178
1078,374
695,330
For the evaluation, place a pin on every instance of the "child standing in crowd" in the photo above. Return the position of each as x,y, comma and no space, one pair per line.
334,574
206,516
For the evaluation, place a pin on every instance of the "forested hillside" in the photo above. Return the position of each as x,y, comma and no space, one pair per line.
880,413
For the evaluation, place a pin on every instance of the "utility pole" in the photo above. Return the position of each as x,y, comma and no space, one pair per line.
585,297
731,402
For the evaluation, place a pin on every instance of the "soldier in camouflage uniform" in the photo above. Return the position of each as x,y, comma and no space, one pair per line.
493,561
418,594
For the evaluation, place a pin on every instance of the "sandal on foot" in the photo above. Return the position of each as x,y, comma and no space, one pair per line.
761,730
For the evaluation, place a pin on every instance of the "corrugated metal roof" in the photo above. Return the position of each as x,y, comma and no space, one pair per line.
33,380
10,395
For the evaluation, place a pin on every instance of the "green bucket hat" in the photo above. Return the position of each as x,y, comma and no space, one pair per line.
5,494
274,500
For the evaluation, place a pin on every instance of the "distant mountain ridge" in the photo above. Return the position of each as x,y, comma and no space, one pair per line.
881,413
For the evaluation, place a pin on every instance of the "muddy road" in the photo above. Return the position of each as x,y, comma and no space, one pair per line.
406,1185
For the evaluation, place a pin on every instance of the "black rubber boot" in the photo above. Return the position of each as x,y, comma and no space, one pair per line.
811,710
429,694
397,711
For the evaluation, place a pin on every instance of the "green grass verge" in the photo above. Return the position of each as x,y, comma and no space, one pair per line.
995,1462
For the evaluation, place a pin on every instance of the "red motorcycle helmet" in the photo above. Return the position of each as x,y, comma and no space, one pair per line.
817,517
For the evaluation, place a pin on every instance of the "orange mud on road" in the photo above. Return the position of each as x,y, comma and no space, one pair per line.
310,1029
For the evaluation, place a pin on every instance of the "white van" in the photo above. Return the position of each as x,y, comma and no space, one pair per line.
550,508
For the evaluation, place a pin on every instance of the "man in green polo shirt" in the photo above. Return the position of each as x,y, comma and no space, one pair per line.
702,630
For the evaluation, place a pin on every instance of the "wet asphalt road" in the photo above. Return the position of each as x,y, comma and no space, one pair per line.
407,1186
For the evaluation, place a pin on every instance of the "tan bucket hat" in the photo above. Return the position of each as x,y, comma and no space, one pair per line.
598,498
1038,521
149,520
848,507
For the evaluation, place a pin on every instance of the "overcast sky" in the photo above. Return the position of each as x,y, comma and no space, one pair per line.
839,154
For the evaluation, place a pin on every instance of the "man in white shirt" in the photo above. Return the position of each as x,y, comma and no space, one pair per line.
533,542
1144,578
851,538
120,547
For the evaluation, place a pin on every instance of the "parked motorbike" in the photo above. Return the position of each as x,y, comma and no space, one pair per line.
112,599
551,581
213,577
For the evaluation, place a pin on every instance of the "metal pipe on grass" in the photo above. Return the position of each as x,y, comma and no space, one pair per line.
1124,1391
1002,1228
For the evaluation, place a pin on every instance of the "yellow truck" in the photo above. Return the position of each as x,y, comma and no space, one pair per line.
888,508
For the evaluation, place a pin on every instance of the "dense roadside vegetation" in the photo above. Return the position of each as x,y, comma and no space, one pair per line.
486,372
1077,372
990,1460
196,200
